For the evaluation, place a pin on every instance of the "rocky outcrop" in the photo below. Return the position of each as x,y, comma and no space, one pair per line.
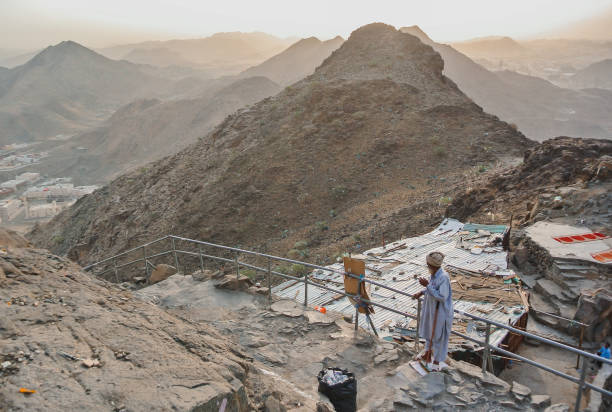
84,344
161,272
596,311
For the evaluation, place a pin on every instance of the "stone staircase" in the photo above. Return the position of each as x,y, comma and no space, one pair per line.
560,290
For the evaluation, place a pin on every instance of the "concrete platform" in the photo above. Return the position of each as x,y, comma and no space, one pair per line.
543,233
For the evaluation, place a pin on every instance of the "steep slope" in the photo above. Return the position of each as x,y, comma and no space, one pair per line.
596,75
370,141
65,88
560,166
540,109
148,359
221,54
146,130
297,62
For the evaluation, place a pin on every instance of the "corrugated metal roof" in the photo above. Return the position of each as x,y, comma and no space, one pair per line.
399,264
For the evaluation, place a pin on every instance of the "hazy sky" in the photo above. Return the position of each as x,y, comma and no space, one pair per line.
27,24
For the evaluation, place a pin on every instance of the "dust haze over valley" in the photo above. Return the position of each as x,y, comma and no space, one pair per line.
312,132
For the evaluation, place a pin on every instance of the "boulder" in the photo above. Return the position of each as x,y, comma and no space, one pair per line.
205,275
520,391
558,407
604,168
288,308
272,404
161,272
595,311
325,406
540,401
486,377
232,282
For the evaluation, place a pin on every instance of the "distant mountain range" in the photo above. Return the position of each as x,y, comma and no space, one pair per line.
220,54
540,109
296,62
595,75
66,88
146,130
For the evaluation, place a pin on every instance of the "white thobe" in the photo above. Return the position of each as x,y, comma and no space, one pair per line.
437,292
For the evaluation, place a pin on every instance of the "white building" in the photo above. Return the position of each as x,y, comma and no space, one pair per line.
10,209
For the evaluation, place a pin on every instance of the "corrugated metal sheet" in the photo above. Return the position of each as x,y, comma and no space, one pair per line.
400,269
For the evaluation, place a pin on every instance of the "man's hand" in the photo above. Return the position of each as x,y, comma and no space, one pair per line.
424,282
417,295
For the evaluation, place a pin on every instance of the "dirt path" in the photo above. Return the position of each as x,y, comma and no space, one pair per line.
540,381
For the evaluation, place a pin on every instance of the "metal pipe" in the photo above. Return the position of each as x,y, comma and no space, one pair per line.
536,364
580,345
201,259
123,253
536,337
580,385
144,257
269,282
418,322
237,266
116,274
175,255
560,317
486,351
306,289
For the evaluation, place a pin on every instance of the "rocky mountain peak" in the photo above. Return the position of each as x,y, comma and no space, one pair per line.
417,32
61,51
379,51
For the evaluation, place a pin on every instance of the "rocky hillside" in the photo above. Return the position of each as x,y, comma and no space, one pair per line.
595,75
539,109
578,171
374,140
65,88
147,130
84,344
297,61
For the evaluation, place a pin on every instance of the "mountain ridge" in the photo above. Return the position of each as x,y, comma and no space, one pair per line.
312,162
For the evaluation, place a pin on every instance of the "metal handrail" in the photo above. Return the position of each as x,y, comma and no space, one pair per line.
581,354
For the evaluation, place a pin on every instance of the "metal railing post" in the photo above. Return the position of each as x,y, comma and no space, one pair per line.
175,255
358,302
581,384
486,352
201,258
418,321
580,345
306,289
269,281
237,266
144,257
115,267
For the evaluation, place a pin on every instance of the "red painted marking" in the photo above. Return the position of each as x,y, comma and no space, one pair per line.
603,257
587,237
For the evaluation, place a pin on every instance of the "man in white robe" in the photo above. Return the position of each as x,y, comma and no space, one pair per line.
437,294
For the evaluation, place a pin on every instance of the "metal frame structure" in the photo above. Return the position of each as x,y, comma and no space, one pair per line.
487,347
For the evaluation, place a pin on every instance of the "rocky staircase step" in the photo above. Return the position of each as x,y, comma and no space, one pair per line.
553,291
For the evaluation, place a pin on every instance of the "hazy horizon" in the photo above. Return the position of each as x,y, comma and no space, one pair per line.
34,24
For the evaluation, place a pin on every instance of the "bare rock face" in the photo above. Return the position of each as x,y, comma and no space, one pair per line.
595,311
231,282
161,272
55,321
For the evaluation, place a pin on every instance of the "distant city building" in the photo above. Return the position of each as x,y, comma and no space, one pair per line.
10,209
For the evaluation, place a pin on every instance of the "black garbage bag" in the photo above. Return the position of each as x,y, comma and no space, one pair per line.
340,386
